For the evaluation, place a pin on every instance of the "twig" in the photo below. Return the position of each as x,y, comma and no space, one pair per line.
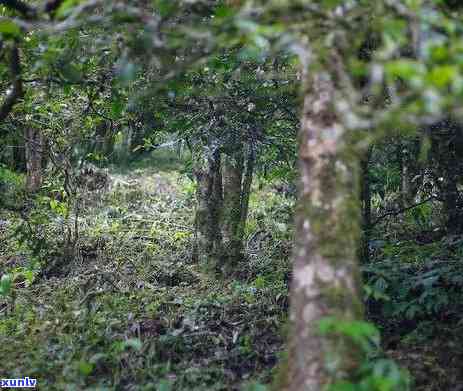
400,211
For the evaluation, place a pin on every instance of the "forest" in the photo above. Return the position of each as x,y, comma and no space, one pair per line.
231,195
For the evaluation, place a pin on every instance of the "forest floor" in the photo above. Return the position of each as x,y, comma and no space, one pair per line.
133,311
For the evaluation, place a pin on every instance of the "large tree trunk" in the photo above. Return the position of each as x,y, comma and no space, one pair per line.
325,267
34,152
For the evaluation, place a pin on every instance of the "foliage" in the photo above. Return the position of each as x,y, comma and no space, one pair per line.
11,186
416,290
375,373
131,309
98,287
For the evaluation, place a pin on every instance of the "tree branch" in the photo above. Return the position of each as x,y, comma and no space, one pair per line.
16,92
400,211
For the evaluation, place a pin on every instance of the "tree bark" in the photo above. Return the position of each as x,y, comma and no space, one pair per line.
16,91
223,190
405,177
207,219
443,138
366,206
454,224
325,267
246,190
34,152
231,210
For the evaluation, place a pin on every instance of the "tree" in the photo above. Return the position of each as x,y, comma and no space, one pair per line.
336,108
35,147
325,270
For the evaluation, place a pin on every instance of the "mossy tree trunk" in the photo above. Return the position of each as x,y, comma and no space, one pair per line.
233,168
325,266
223,190
208,245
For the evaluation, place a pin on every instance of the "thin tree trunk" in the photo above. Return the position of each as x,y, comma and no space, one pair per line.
410,172
246,190
325,267
366,207
405,179
403,174
207,218
34,151
454,224
231,210
443,148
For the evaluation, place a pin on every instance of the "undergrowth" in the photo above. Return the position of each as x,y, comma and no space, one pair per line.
131,310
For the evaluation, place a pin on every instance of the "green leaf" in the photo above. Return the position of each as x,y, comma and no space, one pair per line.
224,11
405,69
85,368
117,107
66,8
9,29
133,343
442,76
439,53
394,29
29,276
360,332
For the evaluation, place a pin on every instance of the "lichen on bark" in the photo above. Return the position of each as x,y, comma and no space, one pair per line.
325,271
